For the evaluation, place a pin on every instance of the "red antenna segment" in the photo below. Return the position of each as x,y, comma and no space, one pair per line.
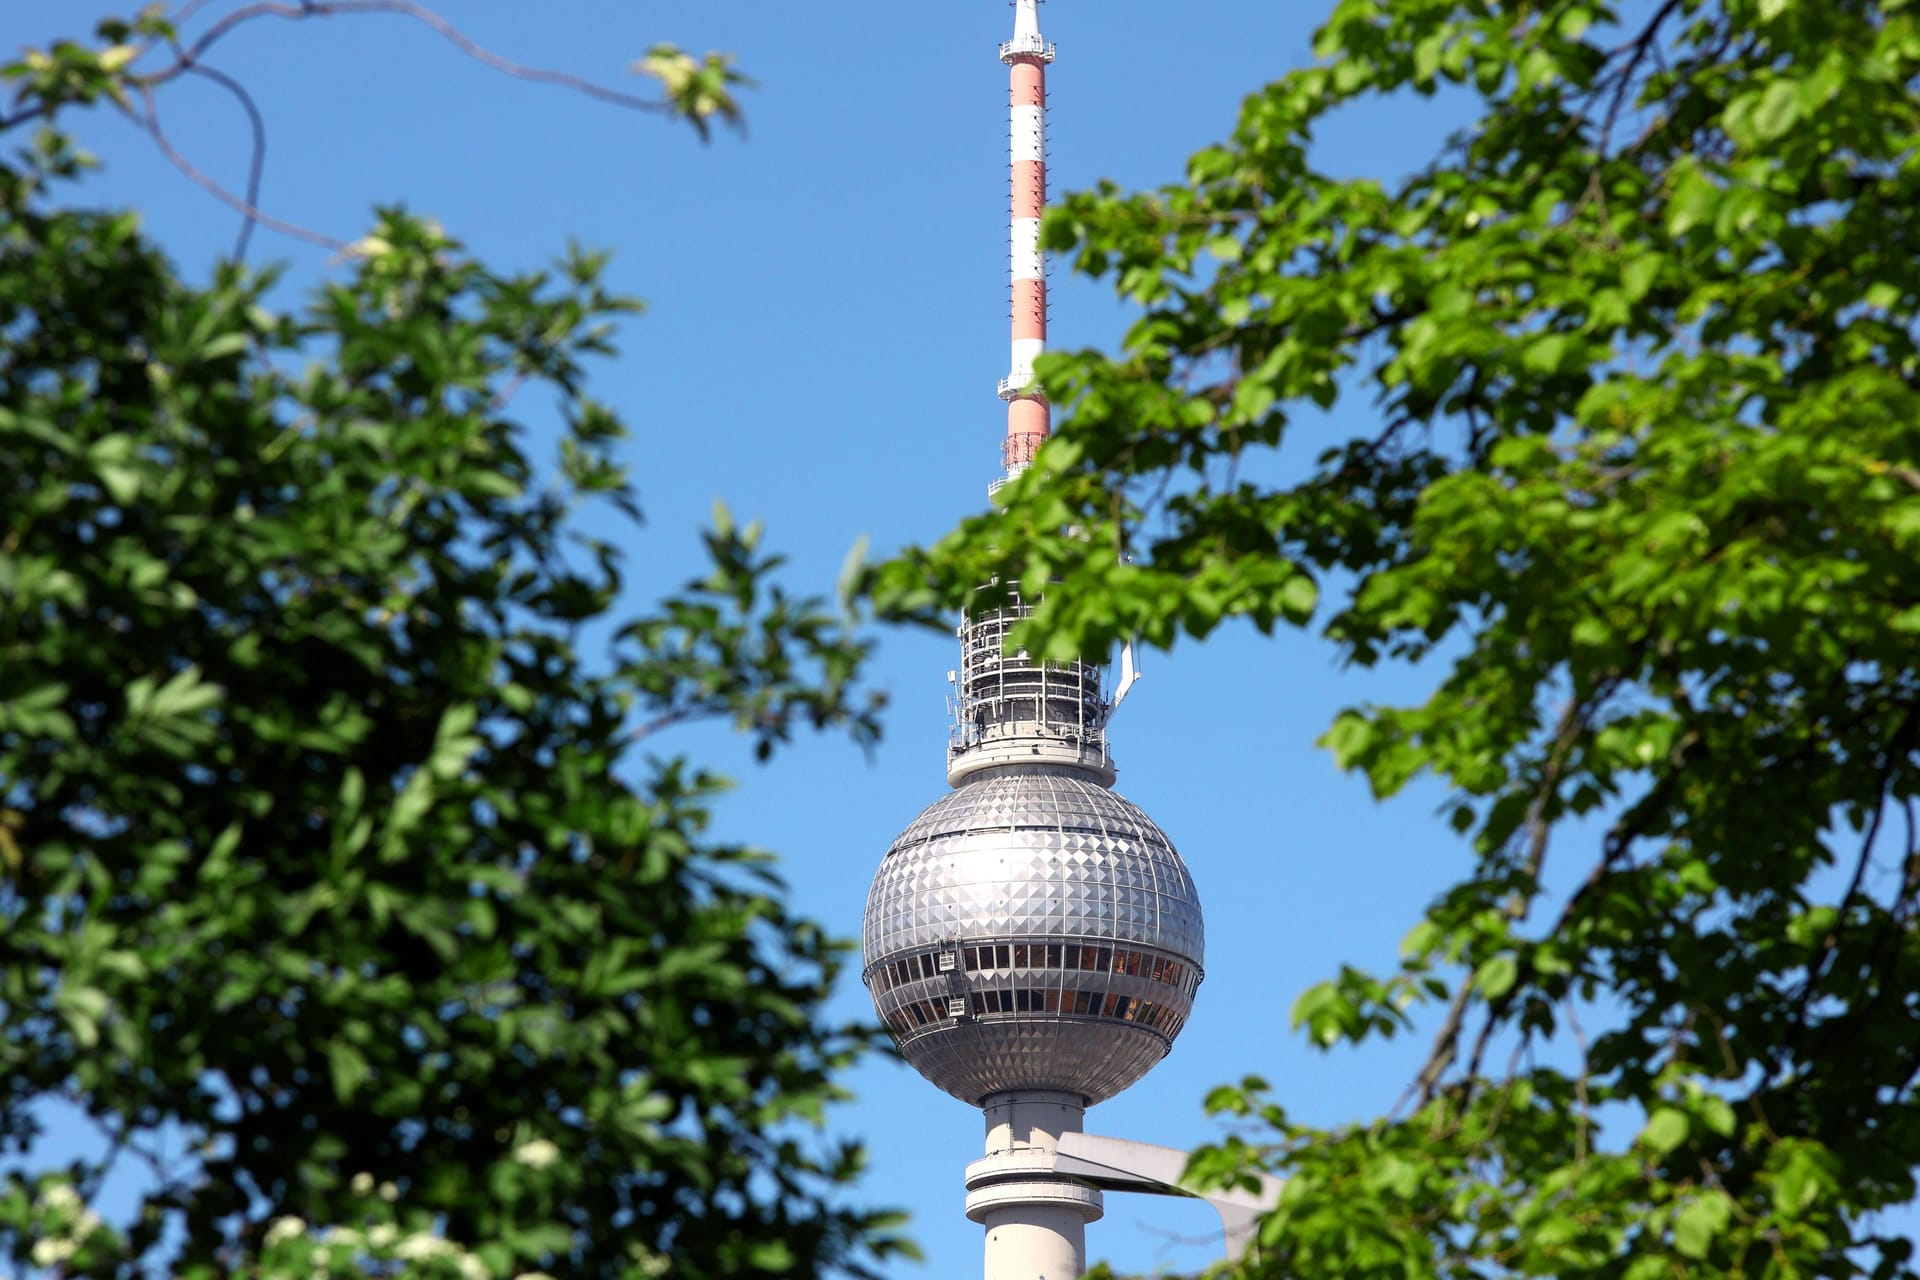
1027,56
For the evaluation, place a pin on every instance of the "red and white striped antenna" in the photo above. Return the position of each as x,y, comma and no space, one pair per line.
1027,56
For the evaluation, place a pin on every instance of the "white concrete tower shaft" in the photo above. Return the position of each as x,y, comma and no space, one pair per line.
1026,56
1036,1220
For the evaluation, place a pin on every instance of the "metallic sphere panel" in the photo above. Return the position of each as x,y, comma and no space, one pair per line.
1032,930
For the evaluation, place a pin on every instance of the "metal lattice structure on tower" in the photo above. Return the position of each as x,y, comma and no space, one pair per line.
1034,941
1009,709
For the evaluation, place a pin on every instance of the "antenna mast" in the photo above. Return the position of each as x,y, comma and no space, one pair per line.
1012,709
1026,56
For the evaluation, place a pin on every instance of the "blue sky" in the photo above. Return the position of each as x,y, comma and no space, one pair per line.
871,184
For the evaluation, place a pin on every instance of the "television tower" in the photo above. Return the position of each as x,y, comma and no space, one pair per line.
1032,940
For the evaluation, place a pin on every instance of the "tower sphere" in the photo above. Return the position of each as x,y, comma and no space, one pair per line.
1032,930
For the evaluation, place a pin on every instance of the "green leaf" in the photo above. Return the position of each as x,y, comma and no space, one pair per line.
1778,111
774,1256
852,568
348,1068
1700,1222
1299,594
1717,1114
1695,203
82,1008
1497,975
121,480
1350,739
1225,248
1326,1013
184,694
1666,1130
1638,275
1546,353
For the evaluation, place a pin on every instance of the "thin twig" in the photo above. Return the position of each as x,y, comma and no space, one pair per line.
1580,1086
1909,866
1896,755
187,10
1505,1096
663,721
1496,1019
1446,1044
1637,51
257,161
507,391
187,61
421,14
1573,722
219,192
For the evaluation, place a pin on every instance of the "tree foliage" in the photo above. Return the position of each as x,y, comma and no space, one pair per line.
335,893
1643,488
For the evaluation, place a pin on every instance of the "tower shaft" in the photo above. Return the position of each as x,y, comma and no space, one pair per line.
1036,1220
1026,56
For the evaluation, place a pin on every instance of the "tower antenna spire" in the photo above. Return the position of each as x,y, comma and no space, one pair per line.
1027,56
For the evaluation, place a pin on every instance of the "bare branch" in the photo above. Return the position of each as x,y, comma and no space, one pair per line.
419,13
1446,1044
663,721
1585,1127
1636,51
220,193
186,12
1909,864
257,161
1897,751
187,61
507,391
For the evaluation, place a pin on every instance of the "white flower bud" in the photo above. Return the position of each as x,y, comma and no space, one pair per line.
537,1154
52,1250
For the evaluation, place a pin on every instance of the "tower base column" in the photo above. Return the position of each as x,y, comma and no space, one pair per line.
1036,1220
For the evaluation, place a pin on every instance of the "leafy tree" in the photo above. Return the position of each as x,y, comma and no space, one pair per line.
335,893
1640,344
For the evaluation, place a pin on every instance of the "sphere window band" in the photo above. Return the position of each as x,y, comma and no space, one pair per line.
1095,1004
1005,956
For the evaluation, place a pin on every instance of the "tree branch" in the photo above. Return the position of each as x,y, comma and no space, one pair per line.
1636,52
220,193
1897,750
192,53
187,61
1446,1043
257,160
